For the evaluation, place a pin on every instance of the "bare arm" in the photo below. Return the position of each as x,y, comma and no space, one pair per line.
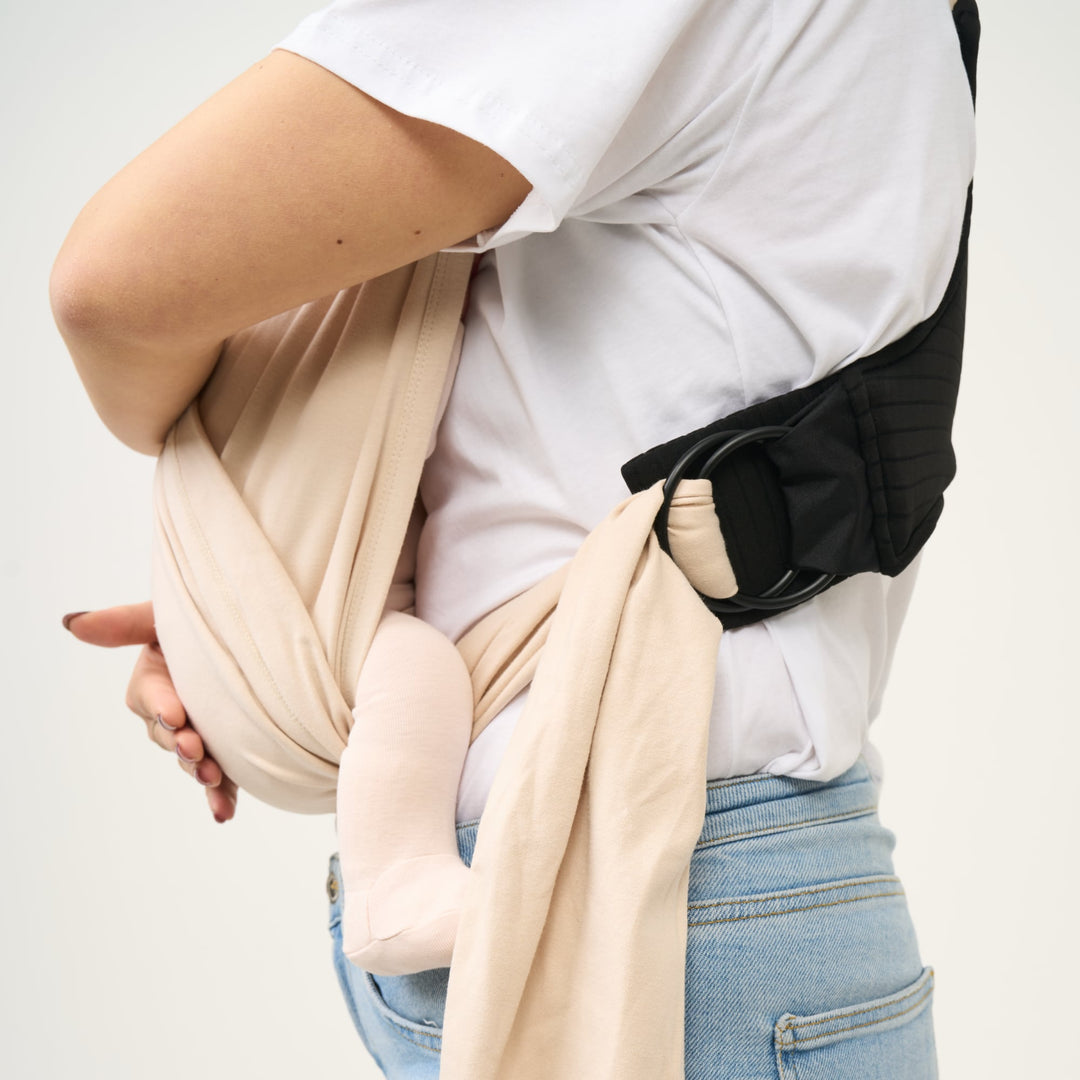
287,185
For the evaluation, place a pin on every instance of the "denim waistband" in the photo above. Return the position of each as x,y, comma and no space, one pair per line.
754,805
745,806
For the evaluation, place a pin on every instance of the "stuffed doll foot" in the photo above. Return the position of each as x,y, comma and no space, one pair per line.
406,919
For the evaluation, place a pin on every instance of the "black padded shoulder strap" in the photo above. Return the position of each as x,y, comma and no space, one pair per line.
854,481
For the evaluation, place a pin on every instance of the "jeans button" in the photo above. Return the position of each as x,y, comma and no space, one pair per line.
332,888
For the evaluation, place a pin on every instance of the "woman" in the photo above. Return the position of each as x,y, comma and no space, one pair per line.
687,211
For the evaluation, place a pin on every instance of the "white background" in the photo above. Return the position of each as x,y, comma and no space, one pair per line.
140,939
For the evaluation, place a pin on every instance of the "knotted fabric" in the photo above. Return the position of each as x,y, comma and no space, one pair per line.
282,498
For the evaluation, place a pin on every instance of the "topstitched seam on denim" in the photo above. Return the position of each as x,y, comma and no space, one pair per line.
928,985
407,1034
856,883
857,1027
796,910
385,1011
716,785
780,1062
725,837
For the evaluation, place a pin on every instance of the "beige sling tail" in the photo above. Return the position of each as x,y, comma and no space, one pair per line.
281,500
571,954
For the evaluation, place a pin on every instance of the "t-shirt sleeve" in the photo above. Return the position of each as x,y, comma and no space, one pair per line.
548,86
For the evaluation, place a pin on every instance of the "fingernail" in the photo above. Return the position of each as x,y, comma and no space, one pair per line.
205,783
183,757
220,819
167,727
66,620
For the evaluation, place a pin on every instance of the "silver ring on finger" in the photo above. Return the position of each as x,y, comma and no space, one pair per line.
168,727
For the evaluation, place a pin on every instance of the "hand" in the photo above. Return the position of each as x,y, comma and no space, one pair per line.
152,696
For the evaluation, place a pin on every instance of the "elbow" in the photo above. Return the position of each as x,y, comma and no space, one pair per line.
89,299
134,315
76,307
104,323
91,321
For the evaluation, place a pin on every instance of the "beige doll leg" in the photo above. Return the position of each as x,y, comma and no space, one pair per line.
397,788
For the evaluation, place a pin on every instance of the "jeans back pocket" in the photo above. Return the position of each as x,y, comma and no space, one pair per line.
891,1038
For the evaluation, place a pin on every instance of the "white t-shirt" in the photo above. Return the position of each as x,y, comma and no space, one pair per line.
731,198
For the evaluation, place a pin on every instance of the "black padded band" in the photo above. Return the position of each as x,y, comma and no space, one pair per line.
857,483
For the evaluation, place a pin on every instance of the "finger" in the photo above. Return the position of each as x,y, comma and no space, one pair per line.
199,770
128,624
159,733
188,748
194,760
222,800
185,741
151,694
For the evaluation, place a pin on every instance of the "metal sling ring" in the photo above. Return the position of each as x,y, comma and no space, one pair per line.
723,444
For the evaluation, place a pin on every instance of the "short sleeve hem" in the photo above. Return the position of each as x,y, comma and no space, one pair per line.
407,86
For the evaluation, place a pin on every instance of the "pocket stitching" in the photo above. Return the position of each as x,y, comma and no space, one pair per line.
407,1028
797,910
782,894
928,990
923,983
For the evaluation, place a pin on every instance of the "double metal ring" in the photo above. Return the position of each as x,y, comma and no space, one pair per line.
786,593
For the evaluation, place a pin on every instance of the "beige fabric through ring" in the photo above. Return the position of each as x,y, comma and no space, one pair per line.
697,544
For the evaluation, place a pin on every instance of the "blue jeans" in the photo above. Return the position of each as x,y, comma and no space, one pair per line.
801,960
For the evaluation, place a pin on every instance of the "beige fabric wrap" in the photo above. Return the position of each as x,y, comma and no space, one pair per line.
271,570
